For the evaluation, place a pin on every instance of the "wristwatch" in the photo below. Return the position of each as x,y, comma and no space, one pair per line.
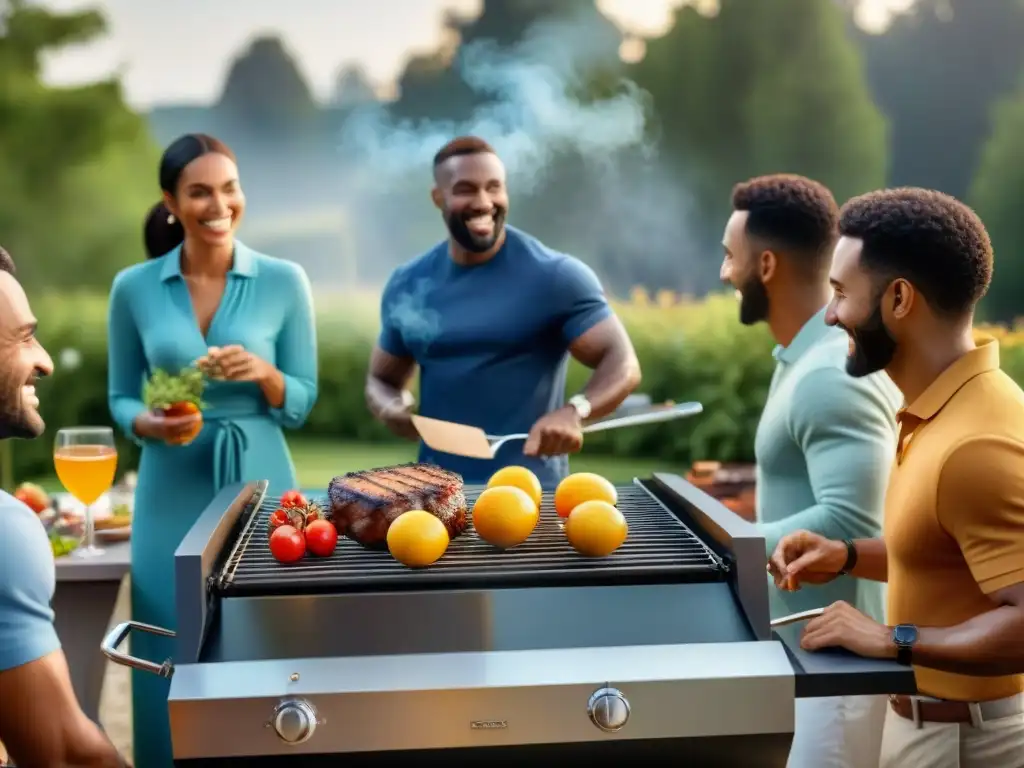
582,406
903,637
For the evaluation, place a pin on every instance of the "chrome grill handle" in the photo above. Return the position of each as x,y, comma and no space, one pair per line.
120,633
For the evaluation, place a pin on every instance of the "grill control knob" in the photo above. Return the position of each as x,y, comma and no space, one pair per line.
295,721
608,709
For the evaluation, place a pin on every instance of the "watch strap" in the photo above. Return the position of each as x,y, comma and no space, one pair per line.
851,557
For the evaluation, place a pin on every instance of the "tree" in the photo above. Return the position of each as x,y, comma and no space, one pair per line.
266,94
72,195
936,73
761,88
995,194
352,88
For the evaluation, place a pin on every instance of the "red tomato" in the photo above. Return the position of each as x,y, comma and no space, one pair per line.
287,545
278,518
321,538
293,499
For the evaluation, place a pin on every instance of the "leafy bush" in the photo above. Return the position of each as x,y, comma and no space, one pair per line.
689,350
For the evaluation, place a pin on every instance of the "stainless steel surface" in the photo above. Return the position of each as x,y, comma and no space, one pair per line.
731,533
793,618
492,651
677,691
294,721
460,620
200,553
659,545
120,633
656,415
608,709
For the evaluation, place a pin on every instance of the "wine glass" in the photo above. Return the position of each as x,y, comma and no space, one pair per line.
86,460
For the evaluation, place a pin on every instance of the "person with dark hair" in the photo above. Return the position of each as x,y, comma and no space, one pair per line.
490,316
161,232
825,441
212,301
908,272
41,722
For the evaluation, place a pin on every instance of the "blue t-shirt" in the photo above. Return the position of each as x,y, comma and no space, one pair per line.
27,580
492,342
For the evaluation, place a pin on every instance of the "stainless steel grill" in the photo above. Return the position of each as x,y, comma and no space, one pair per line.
661,652
659,546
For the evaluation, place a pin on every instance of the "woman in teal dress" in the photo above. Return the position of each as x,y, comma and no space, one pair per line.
207,296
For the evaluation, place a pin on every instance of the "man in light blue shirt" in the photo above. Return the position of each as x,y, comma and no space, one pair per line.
41,723
826,440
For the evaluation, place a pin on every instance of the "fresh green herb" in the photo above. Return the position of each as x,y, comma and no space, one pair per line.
164,389
62,545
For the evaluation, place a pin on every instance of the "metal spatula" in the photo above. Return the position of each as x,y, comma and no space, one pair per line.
793,618
464,440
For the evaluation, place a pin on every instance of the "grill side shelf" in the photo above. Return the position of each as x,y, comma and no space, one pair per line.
660,548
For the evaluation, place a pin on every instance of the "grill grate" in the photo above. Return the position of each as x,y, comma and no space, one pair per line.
659,547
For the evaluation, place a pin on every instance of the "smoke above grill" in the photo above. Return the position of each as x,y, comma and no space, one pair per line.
531,112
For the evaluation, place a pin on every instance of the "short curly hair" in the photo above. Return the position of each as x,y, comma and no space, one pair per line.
929,238
796,213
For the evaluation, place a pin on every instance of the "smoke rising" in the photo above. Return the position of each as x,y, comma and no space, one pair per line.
584,176
531,114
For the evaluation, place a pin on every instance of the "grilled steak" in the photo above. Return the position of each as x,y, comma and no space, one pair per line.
364,504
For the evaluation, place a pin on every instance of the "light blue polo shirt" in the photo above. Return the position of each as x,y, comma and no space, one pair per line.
825,445
27,581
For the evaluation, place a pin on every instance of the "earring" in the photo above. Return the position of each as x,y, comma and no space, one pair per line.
170,218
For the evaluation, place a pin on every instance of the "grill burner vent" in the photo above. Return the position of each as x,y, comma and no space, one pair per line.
660,548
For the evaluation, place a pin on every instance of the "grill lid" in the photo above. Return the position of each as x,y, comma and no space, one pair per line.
660,548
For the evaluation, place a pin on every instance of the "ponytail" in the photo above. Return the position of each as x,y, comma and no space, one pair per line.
162,232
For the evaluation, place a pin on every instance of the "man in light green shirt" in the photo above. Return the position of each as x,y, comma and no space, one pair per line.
826,440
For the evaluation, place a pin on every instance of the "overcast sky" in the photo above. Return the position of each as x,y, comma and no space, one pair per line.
177,51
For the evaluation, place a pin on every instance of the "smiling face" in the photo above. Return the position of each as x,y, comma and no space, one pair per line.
473,199
856,307
209,201
22,361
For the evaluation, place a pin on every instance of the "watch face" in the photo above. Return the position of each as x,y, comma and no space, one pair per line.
905,634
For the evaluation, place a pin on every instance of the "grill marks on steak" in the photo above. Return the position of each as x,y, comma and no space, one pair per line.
364,504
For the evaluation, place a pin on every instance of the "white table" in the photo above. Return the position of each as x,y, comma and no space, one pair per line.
83,604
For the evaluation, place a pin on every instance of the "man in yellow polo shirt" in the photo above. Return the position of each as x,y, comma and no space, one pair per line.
908,271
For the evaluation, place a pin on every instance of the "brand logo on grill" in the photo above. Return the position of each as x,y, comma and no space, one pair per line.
488,725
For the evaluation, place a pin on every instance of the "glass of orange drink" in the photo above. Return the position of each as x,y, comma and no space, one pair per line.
86,460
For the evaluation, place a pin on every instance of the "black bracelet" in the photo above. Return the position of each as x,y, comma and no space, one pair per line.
851,557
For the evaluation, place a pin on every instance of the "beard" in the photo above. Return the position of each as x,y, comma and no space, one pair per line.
461,233
753,302
873,346
16,418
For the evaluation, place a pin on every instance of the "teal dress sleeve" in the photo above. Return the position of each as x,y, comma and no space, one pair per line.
297,354
126,359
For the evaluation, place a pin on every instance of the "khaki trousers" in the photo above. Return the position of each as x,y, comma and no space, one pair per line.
992,744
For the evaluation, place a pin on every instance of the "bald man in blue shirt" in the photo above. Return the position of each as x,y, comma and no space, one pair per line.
41,722
491,316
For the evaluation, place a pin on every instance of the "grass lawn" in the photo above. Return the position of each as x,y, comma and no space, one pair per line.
318,460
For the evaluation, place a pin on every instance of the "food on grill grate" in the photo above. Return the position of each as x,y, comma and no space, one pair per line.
321,538
287,544
293,498
505,516
518,477
581,487
417,539
596,529
299,517
363,505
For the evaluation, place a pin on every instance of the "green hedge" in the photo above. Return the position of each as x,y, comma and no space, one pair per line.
688,351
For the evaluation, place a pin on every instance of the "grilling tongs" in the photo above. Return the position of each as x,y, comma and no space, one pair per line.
464,440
